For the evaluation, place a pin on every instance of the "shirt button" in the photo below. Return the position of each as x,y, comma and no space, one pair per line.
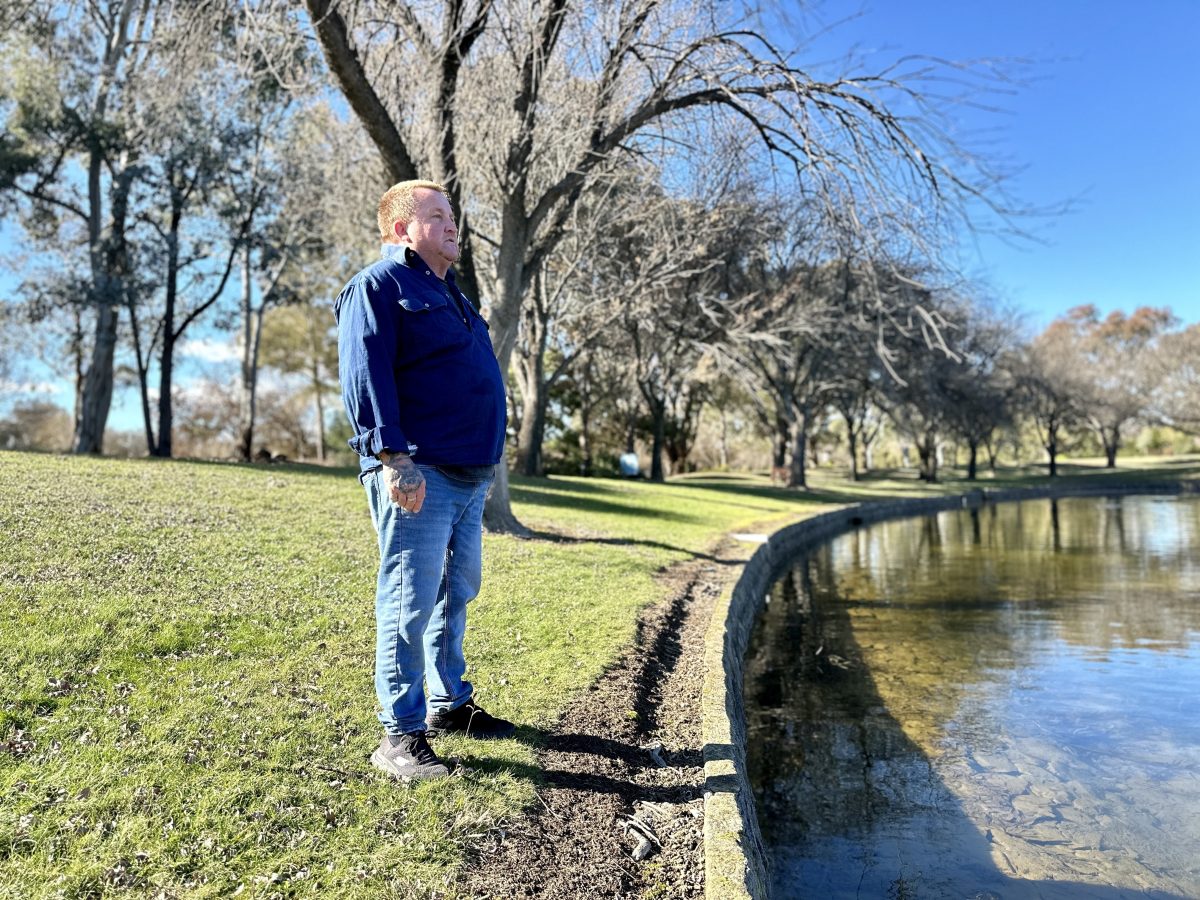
427,272
427,306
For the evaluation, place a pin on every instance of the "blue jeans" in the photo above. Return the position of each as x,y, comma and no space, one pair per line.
431,564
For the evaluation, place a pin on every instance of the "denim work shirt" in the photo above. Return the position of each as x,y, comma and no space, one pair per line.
417,368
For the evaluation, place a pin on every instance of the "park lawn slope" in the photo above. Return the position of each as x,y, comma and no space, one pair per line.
185,650
186,654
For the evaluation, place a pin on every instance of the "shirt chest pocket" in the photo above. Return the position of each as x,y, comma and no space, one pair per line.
425,302
429,328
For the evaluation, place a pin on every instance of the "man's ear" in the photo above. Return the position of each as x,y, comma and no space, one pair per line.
400,229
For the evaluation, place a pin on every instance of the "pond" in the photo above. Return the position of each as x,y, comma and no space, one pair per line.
993,703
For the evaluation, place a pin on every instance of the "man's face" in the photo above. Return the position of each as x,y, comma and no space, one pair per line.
432,232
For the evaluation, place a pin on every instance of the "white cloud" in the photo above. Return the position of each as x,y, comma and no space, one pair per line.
210,350
31,387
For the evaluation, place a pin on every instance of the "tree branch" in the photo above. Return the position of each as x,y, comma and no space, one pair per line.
346,66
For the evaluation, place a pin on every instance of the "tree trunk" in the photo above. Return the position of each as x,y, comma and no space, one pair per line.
108,261
77,359
1111,441
927,454
143,368
166,373
585,438
852,441
658,413
531,368
1052,452
166,364
318,390
779,450
497,514
252,321
797,476
585,417
682,431
972,453
533,430
96,398
724,445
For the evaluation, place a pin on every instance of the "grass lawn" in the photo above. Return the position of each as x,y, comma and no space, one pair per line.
185,663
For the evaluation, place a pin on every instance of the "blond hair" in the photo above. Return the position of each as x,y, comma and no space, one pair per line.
398,204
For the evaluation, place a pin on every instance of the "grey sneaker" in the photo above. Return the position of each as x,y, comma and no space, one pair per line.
469,719
408,756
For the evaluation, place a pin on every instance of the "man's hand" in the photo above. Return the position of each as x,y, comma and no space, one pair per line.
404,481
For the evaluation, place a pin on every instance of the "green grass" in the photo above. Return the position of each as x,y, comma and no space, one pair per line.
185,663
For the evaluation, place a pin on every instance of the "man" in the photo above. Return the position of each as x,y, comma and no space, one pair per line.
426,404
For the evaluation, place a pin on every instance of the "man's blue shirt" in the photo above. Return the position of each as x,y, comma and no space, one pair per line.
417,368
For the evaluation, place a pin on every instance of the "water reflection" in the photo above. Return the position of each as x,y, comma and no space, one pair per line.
995,703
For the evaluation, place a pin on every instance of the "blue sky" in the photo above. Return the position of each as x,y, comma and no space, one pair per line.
1108,117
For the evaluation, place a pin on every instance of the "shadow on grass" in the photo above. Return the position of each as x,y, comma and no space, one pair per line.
547,498
765,492
597,764
556,538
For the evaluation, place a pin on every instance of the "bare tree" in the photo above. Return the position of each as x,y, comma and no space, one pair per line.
853,396
81,109
304,187
627,247
674,323
608,404
827,322
1048,392
919,404
185,178
650,72
576,296
1175,396
980,392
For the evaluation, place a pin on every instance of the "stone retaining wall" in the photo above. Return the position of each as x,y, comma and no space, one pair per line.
734,859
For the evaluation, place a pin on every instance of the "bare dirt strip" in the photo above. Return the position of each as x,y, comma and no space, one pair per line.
621,810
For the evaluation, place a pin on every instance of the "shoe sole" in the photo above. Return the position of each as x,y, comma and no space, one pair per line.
388,767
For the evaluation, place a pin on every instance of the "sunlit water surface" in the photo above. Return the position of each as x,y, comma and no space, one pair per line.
992,704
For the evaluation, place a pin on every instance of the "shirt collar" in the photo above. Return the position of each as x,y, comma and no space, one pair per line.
406,257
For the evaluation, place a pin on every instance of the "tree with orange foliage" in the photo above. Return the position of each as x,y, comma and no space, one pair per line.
1112,364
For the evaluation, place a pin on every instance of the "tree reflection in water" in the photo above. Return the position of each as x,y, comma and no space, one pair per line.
985,704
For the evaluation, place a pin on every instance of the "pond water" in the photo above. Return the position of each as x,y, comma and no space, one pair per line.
1002,703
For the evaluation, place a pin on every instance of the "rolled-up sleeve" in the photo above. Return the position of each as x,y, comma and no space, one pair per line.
367,346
